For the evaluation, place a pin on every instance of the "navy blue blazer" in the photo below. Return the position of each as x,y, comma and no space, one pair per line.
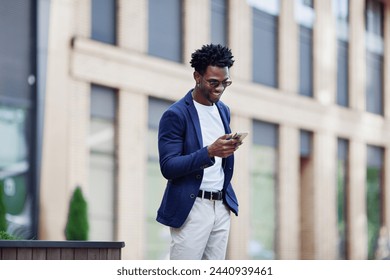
183,159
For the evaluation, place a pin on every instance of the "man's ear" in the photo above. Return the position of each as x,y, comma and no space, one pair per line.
197,77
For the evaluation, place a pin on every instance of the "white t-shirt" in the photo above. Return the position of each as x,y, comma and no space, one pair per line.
212,128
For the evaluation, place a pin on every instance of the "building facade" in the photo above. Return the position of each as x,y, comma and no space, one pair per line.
311,84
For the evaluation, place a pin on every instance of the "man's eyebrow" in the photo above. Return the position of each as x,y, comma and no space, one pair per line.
214,79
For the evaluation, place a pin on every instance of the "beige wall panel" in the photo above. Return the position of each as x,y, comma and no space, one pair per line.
325,197
288,49
325,53
132,162
96,62
357,56
240,39
357,218
386,62
289,191
196,26
82,18
267,104
55,189
387,191
79,115
133,25
239,236
386,199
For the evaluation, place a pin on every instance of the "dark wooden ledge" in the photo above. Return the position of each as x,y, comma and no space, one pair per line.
60,250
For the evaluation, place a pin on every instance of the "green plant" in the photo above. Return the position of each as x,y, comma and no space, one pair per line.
3,221
77,226
6,236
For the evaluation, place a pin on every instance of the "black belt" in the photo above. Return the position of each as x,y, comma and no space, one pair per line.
210,195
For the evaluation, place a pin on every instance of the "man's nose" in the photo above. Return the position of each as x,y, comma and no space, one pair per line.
220,87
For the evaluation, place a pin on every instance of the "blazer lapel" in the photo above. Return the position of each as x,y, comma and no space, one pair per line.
194,117
224,116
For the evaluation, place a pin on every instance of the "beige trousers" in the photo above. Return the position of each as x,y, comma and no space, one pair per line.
204,235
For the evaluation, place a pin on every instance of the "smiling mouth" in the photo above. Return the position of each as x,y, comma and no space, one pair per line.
217,93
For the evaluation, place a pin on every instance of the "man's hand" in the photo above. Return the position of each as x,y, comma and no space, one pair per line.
223,147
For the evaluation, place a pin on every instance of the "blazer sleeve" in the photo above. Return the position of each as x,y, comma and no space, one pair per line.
172,140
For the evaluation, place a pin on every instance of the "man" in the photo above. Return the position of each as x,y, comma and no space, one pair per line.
196,157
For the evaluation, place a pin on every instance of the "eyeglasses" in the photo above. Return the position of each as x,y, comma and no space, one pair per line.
215,83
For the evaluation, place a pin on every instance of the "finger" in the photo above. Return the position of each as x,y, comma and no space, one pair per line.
226,136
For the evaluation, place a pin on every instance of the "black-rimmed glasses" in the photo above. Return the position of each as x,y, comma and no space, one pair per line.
215,83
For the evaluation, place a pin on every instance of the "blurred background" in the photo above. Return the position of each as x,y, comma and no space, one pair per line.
83,84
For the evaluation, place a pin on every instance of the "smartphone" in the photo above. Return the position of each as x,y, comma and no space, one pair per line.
240,136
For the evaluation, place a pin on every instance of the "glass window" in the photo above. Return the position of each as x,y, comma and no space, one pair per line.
17,49
306,61
17,116
15,172
265,42
342,181
374,196
264,162
308,3
304,14
219,22
341,11
268,6
104,21
374,83
306,195
102,169
374,56
374,17
305,143
158,237
165,29
342,73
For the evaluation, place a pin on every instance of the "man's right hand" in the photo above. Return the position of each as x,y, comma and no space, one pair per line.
223,147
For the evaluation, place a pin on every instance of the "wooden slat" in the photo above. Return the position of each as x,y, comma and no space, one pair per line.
103,254
24,254
39,254
67,254
53,253
93,254
8,254
81,254
113,254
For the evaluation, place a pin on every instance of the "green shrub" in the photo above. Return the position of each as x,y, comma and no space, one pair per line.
6,236
77,226
3,221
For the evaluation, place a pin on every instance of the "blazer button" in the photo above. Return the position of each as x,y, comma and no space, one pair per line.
192,195
198,177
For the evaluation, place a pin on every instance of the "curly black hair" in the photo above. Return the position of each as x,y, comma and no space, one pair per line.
211,55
